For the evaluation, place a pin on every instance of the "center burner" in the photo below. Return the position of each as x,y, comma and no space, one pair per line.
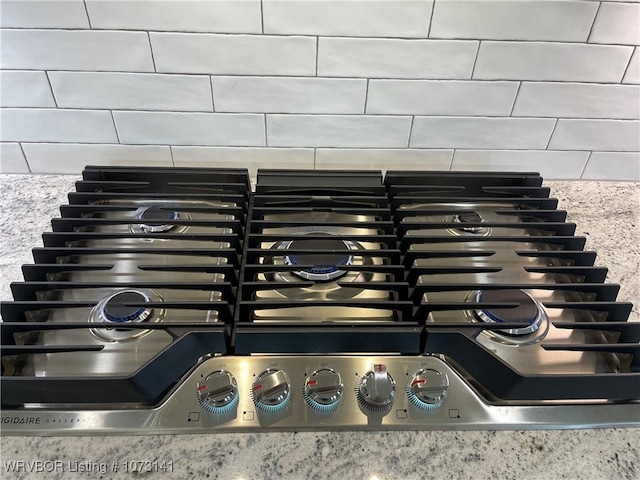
325,265
324,300
527,310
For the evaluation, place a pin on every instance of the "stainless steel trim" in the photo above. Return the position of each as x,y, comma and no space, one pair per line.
181,412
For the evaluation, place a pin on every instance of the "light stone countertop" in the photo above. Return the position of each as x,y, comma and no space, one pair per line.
607,213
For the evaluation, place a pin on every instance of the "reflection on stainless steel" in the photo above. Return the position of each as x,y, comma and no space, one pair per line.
523,352
120,356
463,410
443,352
326,290
510,266
454,212
102,313
529,310
124,351
182,209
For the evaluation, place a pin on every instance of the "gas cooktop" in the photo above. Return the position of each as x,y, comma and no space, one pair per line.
173,300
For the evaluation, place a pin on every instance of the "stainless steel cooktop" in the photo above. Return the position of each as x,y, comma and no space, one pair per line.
178,300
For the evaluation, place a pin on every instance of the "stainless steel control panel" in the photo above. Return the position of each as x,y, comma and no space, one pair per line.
326,393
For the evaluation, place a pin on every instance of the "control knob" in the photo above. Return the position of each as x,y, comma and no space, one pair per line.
218,392
376,389
271,391
428,388
323,390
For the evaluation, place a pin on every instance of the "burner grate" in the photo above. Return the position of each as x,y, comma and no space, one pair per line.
96,249
293,307
523,245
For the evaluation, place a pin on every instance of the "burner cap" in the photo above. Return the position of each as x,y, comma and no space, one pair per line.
527,311
153,218
468,217
325,265
115,309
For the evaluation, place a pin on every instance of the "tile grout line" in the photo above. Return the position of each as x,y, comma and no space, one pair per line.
462,149
266,138
515,99
624,74
475,60
453,155
315,150
26,160
433,9
261,17
585,165
595,17
113,120
346,37
86,10
317,53
153,59
173,162
332,77
55,101
553,130
366,97
413,117
311,114
109,144
213,103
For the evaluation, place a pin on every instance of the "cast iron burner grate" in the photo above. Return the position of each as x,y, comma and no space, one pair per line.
439,247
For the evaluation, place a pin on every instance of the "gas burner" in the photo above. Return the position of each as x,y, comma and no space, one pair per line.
528,311
466,218
153,218
115,309
326,300
325,266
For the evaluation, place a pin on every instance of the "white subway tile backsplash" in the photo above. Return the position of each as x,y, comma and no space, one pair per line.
426,97
364,84
171,128
617,23
616,135
243,157
355,18
337,131
25,89
234,54
53,125
395,58
43,14
289,95
12,159
132,91
613,166
219,16
383,159
513,20
551,164
581,100
489,133
563,62
75,50
72,158
633,70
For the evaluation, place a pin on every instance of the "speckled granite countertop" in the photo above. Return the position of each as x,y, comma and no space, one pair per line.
608,214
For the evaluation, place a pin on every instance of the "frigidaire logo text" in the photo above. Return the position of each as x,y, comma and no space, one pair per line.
22,420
